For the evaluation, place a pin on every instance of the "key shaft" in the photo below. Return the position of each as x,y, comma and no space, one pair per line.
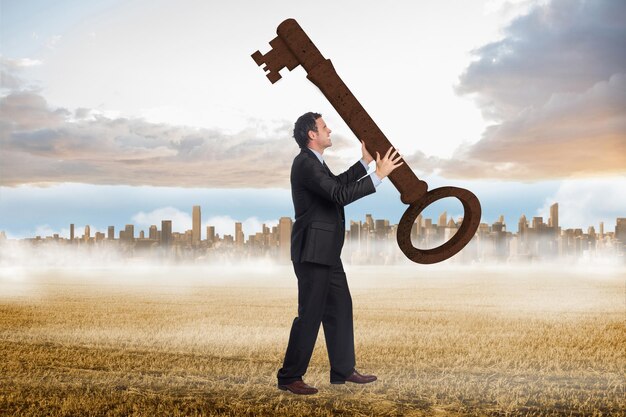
293,47
322,73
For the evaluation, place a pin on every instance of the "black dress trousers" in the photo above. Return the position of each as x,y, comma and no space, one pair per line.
323,297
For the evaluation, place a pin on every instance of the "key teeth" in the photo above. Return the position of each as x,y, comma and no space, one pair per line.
273,77
258,58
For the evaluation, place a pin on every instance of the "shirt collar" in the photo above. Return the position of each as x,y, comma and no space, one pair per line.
319,155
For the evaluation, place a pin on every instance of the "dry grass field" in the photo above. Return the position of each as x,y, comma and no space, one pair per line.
206,341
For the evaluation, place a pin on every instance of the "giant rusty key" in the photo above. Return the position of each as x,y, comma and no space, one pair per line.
293,47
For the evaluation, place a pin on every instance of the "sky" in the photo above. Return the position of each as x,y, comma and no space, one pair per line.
116,112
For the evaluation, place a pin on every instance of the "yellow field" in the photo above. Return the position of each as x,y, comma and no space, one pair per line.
208,341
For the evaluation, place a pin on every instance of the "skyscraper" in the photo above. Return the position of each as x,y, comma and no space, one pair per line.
355,231
522,227
129,232
620,229
380,229
166,232
443,219
210,233
554,216
87,234
239,237
72,231
284,236
111,232
153,233
196,231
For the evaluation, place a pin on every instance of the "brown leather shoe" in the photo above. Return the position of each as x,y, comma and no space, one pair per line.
357,378
298,387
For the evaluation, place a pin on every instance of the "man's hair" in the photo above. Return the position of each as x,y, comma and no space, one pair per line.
301,129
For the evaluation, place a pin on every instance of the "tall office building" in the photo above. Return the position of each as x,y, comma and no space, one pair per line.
111,232
554,216
129,232
153,233
443,219
72,231
355,231
210,233
601,229
166,232
196,231
620,229
591,231
380,229
284,236
239,237
522,227
87,234
369,221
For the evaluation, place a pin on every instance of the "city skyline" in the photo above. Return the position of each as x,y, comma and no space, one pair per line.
534,239
99,126
196,229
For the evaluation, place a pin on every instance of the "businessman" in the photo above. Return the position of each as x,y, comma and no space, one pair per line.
316,242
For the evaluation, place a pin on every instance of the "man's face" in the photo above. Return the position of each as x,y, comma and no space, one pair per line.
321,138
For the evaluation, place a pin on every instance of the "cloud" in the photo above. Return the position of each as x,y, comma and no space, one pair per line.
556,87
41,144
181,221
225,225
587,202
10,69
45,145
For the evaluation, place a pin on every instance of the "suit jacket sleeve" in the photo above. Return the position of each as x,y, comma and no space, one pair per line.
353,173
316,179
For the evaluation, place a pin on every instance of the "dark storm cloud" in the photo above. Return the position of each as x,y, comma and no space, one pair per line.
556,87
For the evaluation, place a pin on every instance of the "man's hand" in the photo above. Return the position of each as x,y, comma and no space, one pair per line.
366,155
386,165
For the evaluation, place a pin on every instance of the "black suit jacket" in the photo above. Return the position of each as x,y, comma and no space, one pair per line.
318,199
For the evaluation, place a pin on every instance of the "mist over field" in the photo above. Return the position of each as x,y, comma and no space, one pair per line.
207,339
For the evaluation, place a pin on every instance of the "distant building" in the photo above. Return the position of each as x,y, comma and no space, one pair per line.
554,216
239,237
129,232
284,236
443,219
166,232
196,231
210,234
620,230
